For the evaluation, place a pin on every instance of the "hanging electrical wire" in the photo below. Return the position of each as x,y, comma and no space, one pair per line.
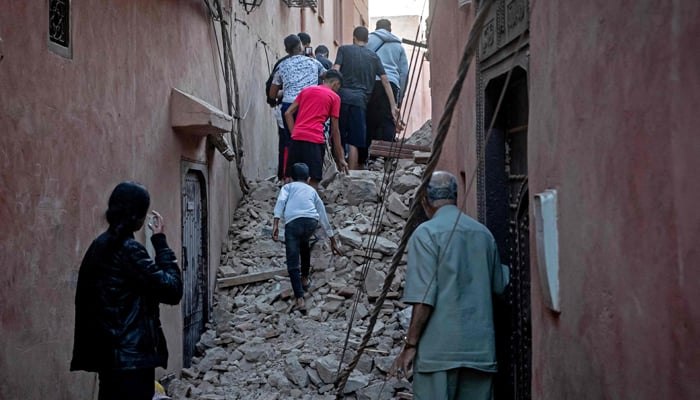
231,83
387,183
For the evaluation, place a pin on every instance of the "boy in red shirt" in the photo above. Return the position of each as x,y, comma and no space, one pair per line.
314,105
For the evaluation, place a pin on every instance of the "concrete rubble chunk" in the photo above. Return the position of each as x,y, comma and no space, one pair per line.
212,357
374,282
396,205
360,191
377,391
356,381
350,238
211,376
385,246
253,352
212,397
264,191
227,271
327,367
178,389
278,380
405,183
295,372
384,363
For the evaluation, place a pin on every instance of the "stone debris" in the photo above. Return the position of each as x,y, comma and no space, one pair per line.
423,136
255,348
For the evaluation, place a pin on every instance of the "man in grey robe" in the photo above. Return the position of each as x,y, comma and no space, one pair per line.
453,271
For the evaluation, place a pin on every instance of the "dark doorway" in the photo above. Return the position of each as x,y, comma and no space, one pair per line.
505,211
194,264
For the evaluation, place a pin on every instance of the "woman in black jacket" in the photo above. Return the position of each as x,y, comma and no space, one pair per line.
117,319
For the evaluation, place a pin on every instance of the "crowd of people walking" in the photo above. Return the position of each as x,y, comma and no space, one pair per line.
354,99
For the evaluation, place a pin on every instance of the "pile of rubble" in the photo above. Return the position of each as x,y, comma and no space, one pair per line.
423,136
256,349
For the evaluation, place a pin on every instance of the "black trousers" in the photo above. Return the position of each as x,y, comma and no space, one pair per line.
380,121
135,384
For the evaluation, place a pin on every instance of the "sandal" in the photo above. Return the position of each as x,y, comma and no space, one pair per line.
297,307
301,309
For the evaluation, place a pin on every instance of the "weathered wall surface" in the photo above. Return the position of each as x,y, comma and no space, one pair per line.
613,86
449,29
611,129
74,128
71,130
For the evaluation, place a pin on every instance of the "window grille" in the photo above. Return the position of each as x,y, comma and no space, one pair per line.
301,3
59,22
59,40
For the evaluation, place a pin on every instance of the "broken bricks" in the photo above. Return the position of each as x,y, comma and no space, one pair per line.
255,347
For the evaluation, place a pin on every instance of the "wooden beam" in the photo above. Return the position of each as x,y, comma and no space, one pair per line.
250,278
391,149
414,43
421,157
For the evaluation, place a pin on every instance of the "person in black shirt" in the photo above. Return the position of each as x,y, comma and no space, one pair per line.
359,66
322,56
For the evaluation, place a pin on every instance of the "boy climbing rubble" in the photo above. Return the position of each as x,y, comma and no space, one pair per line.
303,209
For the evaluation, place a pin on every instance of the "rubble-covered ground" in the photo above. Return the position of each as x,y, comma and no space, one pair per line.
256,349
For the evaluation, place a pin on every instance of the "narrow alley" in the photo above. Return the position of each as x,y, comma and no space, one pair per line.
519,220
255,348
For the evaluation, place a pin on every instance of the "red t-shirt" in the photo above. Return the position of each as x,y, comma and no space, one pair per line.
316,105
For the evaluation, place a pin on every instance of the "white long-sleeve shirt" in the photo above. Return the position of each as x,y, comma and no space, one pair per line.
299,200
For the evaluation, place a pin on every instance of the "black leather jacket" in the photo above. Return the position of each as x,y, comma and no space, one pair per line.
117,317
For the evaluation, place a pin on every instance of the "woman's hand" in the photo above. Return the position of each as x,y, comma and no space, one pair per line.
157,225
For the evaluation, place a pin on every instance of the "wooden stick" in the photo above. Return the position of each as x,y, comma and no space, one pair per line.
249,278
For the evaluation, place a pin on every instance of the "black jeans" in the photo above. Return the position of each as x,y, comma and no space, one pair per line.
133,384
296,239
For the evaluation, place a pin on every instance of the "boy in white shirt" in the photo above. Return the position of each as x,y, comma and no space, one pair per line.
303,209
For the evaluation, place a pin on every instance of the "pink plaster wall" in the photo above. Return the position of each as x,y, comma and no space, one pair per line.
613,127
613,81
71,130
449,29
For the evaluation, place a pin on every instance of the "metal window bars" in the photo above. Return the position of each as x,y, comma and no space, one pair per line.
301,3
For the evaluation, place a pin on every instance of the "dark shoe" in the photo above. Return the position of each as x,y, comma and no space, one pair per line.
309,282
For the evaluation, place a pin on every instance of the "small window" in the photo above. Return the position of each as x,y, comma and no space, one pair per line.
59,27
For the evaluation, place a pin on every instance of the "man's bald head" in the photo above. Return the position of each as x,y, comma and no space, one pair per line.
442,189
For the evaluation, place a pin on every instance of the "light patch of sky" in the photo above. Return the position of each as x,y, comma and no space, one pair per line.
388,8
